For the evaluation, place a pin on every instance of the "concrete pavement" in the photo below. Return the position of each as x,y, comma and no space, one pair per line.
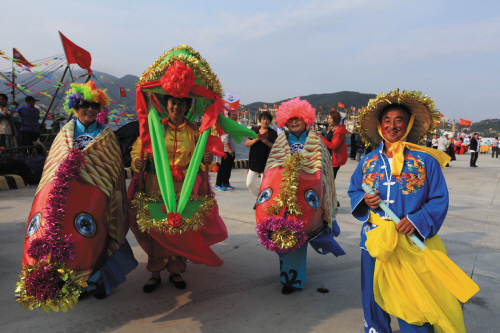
244,295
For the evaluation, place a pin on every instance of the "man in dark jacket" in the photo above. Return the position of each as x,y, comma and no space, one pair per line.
30,127
474,150
354,146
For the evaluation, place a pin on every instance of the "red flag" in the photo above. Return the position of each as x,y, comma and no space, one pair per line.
20,60
333,108
464,122
341,105
275,106
321,108
123,92
75,54
353,108
265,106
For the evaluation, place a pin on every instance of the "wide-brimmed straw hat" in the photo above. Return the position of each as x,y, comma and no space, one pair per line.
421,106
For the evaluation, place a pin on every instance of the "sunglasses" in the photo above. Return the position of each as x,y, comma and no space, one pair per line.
294,119
93,105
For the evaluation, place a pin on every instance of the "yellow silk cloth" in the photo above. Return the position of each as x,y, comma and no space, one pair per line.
404,286
180,142
397,150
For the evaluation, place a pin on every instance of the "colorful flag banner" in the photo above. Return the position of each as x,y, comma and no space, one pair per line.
341,105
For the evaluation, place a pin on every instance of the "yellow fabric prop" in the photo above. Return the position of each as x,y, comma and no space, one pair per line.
397,150
402,283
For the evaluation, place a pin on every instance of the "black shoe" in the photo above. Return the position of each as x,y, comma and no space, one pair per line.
149,288
287,290
177,284
100,292
100,296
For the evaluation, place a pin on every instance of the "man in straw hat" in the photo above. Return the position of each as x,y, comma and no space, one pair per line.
407,177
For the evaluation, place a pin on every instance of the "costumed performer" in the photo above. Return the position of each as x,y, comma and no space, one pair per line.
175,216
75,235
407,177
297,202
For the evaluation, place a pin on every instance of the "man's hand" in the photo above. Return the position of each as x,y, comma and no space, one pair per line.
372,200
208,157
140,163
405,227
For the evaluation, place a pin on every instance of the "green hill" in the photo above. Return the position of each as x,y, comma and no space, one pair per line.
486,128
348,98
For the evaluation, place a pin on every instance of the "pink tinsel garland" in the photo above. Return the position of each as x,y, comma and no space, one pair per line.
270,224
102,117
59,247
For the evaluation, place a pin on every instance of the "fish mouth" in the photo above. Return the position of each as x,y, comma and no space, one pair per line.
281,235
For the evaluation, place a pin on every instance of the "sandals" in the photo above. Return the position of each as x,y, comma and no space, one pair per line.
149,288
177,284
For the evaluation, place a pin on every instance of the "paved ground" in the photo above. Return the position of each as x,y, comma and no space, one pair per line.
244,295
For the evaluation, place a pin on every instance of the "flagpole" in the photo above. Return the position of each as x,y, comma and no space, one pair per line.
70,73
13,101
53,98
13,81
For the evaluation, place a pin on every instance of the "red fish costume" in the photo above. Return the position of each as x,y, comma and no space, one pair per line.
297,203
75,235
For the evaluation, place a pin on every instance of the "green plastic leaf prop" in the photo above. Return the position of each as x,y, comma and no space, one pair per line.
238,132
164,174
193,168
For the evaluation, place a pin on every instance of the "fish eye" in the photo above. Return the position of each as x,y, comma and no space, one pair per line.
34,224
85,225
312,199
265,195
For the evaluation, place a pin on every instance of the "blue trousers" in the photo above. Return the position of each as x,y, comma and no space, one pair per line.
376,319
293,268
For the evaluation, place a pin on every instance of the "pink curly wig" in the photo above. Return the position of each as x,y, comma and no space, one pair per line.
295,108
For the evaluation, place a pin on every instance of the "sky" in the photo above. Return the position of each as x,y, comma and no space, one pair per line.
273,50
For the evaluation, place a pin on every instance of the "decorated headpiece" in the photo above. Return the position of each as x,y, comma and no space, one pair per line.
80,92
181,73
295,108
421,123
420,106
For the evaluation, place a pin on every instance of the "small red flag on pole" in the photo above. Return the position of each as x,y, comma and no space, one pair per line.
341,105
75,54
464,122
123,92
19,59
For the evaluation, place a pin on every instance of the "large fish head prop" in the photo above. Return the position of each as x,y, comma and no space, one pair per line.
76,221
297,195
85,222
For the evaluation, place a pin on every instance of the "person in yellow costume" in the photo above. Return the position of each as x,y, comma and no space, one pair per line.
180,139
408,178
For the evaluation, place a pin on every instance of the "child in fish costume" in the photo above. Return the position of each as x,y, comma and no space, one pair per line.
75,235
297,202
174,214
